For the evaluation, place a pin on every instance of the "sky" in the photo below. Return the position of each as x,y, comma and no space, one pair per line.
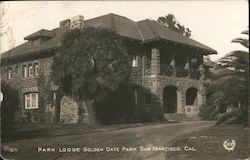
213,23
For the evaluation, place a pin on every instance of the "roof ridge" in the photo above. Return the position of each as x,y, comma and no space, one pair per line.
96,17
112,14
112,21
121,16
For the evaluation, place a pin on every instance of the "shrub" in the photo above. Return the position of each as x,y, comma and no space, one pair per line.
8,108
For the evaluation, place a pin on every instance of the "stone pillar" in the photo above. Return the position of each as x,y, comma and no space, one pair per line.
156,109
202,71
179,101
201,95
180,98
187,67
155,62
172,63
144,64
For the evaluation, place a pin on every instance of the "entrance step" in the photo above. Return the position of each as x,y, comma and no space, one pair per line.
177,117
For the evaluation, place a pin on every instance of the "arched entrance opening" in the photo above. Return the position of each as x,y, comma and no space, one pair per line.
170,99
191,96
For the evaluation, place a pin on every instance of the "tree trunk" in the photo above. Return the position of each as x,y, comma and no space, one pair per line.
248,110
90,113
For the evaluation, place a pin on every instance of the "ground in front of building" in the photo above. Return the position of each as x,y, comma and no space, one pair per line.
211,144
134,141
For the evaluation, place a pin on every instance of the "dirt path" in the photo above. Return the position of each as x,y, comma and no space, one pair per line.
122,144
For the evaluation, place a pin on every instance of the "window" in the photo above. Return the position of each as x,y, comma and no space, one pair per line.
31,100
135,61
194,60
10,73
16,70
36,69
30,70
25,71
37,42
148,62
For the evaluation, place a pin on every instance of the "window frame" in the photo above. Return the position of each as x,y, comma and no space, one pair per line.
16,69
194,60
135,61
25,73
30,70
36,68
28,100
10,73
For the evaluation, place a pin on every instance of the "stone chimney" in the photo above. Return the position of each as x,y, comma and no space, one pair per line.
65,23
76,22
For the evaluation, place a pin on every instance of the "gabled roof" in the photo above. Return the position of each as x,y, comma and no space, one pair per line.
41,33
144,31
29,48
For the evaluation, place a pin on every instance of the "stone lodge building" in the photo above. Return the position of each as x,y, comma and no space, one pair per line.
166,64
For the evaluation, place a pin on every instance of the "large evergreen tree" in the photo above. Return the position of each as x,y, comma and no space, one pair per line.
91,63
171,22
230,85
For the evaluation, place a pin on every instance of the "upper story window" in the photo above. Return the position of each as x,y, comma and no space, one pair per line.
194,60
10,73
135,61
31,100
36,69
148,62
16,69
25,73
30,70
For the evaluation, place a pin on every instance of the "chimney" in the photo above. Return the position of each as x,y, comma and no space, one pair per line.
65,23
76,22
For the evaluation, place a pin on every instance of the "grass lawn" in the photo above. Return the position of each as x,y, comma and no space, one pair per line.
208,144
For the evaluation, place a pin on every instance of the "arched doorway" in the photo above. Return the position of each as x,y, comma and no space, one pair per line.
170,99
191,96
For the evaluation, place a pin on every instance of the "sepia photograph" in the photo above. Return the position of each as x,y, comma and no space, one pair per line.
125,80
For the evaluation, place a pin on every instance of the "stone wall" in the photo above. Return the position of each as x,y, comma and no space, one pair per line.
26,84
156,84
192,111
68,110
